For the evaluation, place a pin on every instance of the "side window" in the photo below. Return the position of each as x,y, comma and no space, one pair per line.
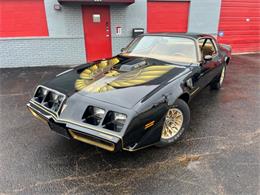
207,47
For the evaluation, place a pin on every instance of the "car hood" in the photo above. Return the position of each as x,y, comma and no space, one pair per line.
114,86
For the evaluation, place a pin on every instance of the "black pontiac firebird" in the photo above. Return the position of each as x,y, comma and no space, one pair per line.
136,99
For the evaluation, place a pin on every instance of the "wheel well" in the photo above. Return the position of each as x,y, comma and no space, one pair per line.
185,97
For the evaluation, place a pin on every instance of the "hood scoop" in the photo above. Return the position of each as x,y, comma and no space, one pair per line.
132,65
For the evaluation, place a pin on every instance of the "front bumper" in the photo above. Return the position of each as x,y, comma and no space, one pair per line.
72,130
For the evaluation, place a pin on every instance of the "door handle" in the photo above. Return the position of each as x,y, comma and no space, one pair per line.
107,35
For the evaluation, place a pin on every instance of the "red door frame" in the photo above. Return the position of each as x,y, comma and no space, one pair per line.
97,36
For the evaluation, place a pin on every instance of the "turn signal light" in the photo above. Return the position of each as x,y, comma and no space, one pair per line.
150,124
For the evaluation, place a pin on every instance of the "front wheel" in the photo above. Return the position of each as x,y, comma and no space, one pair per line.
176,123
218,82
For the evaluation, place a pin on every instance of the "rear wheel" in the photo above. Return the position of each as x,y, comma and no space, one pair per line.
218,82
176,123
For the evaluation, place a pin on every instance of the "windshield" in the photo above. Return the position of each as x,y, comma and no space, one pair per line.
176,49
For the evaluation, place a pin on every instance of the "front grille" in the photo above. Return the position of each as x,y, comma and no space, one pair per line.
49,98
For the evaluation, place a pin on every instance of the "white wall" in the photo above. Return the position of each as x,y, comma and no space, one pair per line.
204,16
127,17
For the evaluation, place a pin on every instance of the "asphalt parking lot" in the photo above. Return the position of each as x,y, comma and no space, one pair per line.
220,154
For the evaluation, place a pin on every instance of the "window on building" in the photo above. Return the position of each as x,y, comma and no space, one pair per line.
22,18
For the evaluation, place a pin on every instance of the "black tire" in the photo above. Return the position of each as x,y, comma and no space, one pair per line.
218,82
184,108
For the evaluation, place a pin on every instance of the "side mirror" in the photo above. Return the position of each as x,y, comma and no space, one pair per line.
207,58
123,50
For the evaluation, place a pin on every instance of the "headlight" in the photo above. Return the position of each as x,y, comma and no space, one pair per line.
57,100
98,112
49,98
40,94
119,117
114,121
93,115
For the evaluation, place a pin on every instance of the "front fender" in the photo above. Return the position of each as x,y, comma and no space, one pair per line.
145,128
152,110
167,93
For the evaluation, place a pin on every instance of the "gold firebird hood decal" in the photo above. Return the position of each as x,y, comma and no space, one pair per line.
129,79
90,74
141,76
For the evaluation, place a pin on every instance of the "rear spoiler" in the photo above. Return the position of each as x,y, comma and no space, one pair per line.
228,49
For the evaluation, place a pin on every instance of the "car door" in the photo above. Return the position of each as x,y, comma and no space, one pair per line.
210,62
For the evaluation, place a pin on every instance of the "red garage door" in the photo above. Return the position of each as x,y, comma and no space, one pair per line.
167,16
19,18
240,25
